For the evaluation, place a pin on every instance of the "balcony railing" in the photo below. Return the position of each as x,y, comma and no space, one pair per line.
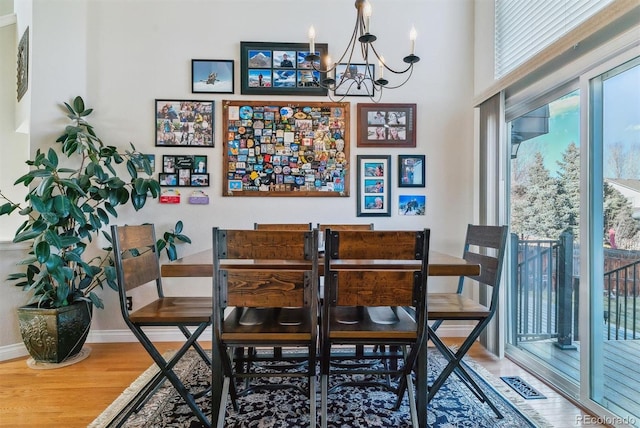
545,292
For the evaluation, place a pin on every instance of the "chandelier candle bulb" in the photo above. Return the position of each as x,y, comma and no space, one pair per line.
312,40
367,16
330,68
380,67
412,37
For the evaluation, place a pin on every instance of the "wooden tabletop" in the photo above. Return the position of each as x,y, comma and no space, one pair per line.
201,265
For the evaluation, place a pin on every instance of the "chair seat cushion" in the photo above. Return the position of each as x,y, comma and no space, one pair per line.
171,310
454,306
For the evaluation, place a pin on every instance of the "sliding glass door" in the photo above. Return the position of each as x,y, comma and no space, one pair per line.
544,218
573,294
615,303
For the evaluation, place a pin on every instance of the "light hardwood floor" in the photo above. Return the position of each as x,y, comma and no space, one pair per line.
73,396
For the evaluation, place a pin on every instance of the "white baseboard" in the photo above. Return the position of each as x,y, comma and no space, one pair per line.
169,334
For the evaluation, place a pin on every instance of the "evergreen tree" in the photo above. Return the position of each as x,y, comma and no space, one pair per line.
569,188
540,218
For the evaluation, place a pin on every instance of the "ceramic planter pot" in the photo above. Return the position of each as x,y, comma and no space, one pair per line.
54,335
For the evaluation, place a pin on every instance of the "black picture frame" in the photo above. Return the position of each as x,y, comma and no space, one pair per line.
184,171
411,171
386,125
184,123
264,69
212,76
23,65
349,86
374,185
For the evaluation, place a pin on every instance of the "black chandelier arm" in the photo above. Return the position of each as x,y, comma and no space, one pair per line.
409,59
409,69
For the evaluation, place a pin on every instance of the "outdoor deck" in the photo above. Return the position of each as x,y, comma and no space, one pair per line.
621,368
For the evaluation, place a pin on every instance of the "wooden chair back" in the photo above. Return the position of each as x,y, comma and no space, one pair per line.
370,244
282,226
136,256
360,226
368,286
486,246
266,244
271,286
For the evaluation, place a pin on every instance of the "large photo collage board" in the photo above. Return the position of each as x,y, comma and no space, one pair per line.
285,149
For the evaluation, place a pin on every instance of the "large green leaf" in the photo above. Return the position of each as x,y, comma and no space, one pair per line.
78,105
52,156
62,205
43,251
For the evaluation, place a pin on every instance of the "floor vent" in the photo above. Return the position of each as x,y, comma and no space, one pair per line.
522,387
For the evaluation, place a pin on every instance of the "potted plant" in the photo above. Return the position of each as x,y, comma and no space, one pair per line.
68,203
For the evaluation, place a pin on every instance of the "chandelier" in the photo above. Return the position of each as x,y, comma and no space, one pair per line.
348,76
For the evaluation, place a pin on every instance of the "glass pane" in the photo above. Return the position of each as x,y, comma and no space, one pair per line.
544,211
616,349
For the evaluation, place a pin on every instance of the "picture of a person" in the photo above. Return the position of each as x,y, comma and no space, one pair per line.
286,62
201,168
378,204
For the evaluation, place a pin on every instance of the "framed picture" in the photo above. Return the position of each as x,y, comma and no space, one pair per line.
212,76
280,69
412,204
152,162
184,123
355,80
374,186
275,148
184,171
411,171
23,64
386,125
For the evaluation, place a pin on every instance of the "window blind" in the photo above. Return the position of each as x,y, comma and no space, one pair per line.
525,27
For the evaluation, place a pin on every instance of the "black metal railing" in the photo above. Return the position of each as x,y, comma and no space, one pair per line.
545,292
621,287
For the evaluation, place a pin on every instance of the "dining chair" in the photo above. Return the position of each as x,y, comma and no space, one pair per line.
285,276
354,278
486,246
282,226
137,265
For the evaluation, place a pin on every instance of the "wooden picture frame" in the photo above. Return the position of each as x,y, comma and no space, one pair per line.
374,186
276,148
280,69
386,125
184,123
212,76
349,86
411,171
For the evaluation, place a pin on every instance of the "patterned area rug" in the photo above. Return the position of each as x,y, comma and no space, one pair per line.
453,406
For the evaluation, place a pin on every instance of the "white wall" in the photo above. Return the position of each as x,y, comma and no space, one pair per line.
120,55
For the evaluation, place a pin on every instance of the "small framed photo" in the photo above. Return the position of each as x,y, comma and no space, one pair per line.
411,171
212,76
151,158
169,164
184,123
355,80
374,186
412,205
167,179
199,180
280,69
386,125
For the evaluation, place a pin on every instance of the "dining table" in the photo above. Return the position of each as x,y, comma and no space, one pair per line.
440,264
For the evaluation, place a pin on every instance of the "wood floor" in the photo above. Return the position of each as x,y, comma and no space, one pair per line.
73,396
